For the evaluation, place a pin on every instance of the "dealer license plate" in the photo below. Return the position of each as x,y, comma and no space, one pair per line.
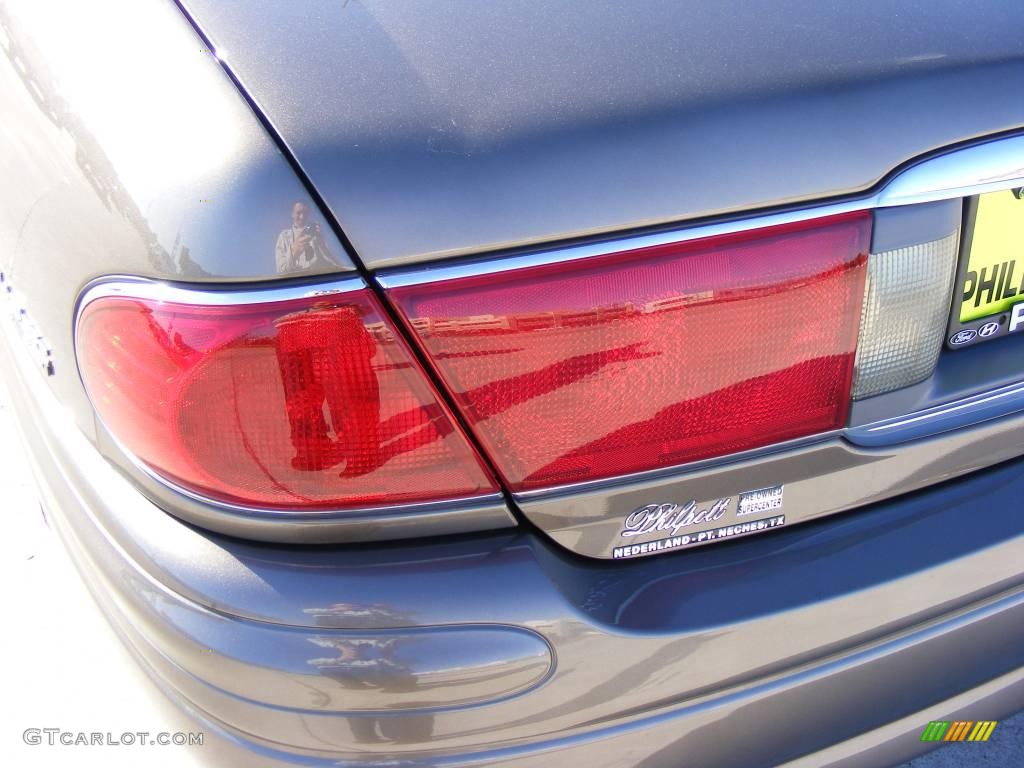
989,298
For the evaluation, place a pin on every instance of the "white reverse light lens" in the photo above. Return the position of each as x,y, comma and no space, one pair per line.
906,305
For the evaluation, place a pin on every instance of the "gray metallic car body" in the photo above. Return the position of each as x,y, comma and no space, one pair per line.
436,129
428,133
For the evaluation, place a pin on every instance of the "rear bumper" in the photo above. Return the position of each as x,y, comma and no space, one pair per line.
833,642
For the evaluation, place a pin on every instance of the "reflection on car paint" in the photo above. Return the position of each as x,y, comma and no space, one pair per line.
174,172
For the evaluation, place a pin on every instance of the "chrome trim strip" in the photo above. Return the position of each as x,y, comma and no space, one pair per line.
988,167
307,516
152,290
975,409
994,165
277,515
460,515
426,274
488,512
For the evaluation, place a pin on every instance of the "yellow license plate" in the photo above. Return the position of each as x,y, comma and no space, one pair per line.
994,279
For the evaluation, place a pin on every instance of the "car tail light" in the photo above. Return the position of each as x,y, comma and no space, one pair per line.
652,357
905,308
314,403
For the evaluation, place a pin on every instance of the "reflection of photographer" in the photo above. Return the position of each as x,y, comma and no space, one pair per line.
302,246
310,343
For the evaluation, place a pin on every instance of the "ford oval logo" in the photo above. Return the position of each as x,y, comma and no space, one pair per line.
962,337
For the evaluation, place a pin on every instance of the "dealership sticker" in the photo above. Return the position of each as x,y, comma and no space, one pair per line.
700,537
759,501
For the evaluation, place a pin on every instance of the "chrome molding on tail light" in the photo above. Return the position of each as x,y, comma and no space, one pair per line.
986,166
195,295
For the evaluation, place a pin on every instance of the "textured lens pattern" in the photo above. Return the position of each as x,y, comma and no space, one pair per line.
654,357
906,304
309,404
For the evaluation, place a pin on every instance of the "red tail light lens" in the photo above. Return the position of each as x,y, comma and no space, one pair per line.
653,357
309,403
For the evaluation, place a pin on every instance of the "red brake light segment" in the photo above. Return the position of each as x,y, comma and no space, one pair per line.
313,403
648,358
